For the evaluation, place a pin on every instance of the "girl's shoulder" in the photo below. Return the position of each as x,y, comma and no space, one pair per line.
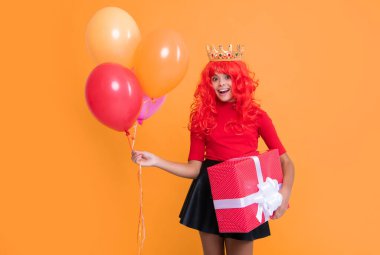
260,112
262,116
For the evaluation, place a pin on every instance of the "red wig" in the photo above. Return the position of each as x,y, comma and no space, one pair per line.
203,110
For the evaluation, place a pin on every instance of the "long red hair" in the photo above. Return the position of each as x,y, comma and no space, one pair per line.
203,110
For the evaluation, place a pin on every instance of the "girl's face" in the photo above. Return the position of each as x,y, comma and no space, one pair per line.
222,84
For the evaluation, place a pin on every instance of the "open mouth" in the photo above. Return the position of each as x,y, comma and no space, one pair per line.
223,91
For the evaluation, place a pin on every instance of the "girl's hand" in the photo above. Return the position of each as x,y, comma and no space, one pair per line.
284,205
144,158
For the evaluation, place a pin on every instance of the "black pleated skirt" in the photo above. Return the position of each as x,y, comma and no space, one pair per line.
198,209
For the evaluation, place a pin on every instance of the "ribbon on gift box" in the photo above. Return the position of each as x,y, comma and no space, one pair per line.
268,198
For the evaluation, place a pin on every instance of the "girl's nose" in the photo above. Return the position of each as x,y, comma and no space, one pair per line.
222,81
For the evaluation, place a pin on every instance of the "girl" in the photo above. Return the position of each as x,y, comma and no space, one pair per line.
225,123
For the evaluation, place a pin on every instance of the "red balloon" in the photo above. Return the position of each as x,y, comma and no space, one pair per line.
114,96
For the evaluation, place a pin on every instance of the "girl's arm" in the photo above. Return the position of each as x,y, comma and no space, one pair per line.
286,189
186,170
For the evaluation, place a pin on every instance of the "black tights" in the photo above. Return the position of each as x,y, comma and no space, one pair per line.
214,245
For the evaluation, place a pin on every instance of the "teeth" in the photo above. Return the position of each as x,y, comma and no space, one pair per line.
223,90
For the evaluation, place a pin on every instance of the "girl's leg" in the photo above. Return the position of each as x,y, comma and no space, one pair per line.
238,247
212,244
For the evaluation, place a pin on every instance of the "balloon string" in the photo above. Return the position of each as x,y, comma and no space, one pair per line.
133,138
129,139
141,226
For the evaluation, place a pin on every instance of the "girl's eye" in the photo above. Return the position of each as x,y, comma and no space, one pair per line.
227,77
214,78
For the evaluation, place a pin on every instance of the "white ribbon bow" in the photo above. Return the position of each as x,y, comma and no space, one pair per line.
271,198
268,198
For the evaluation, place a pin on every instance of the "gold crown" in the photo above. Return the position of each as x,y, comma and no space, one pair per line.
224,55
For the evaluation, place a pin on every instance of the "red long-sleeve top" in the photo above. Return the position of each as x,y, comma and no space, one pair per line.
222,145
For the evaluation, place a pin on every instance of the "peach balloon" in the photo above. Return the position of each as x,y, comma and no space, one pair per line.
112,36
161,61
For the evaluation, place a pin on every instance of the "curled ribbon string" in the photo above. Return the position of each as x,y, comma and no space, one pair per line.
141,227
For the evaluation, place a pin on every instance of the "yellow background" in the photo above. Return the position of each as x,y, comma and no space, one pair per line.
67,185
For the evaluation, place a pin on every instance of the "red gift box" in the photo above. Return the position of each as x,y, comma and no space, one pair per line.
245,191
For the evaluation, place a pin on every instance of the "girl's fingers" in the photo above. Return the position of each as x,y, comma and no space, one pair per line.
278,213
136,157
